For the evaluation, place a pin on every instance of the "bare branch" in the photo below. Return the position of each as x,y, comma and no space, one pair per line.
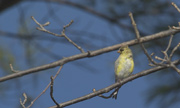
25,100
176,28
160,59
175,48
51,91
89,54
170,41
109,88
45,88
138,37
105,97
166,58
12,69
175,68
41,28
175,6
166,51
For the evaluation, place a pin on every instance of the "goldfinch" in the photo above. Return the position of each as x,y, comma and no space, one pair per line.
124,66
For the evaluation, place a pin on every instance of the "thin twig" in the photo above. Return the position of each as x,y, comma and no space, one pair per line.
109,88
159,58
166,58
89,54
170,41
112,95
175,68
166,51
25,100
41,28
151,64
12,69
176,28
32,102
66,26
102,96
51,91
175,48
138,38
176,6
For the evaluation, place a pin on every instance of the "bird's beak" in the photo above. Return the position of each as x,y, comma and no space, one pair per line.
118,51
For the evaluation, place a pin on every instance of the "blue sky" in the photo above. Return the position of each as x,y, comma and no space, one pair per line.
75,80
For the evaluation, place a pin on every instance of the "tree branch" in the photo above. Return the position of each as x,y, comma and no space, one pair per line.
32,102
41,28
176,6
109,88
89,54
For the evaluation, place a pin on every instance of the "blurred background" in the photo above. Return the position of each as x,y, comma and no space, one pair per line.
97,24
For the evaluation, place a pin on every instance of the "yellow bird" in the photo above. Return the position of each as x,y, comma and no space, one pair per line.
124,66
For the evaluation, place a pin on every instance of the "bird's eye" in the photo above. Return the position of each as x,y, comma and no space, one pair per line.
121,50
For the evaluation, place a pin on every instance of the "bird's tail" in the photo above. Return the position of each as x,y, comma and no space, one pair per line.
115,93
